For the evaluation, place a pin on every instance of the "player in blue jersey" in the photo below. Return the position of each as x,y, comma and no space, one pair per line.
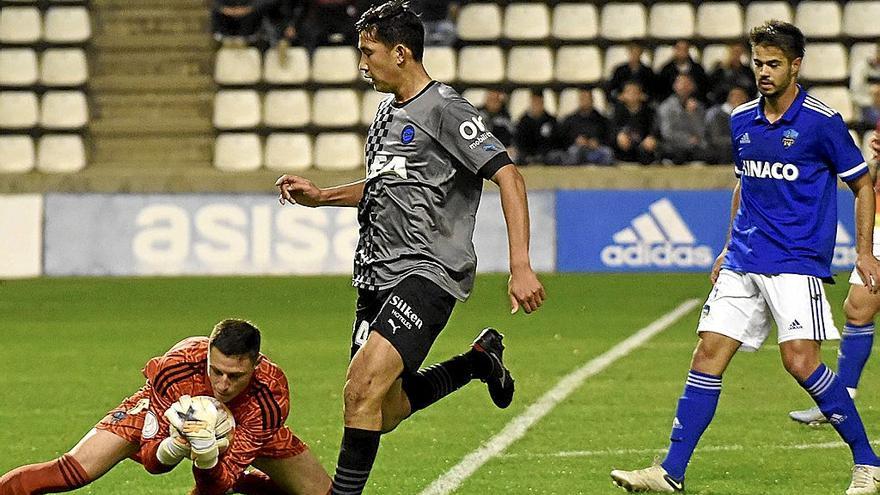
788,148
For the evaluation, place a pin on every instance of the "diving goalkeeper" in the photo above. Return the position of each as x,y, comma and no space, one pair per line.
169,419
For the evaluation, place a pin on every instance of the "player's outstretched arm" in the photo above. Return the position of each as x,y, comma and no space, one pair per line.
866,264
298,190
524,288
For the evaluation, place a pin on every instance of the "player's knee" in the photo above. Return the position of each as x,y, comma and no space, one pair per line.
799,366
360,393
857,311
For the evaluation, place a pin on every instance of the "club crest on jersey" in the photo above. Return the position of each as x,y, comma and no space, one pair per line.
788,137
407,134
387,164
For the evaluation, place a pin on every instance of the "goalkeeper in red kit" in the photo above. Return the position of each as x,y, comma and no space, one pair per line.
171,418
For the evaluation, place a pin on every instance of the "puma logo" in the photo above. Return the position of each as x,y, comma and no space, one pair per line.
393,326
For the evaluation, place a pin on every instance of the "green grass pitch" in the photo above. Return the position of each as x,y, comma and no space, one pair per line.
73,348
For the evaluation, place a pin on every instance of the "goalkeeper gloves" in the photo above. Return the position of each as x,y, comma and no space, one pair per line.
195,418
173,449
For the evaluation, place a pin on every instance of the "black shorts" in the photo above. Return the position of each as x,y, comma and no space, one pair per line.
410,315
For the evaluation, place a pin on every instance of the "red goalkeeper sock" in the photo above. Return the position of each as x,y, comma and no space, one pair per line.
61,475
257,483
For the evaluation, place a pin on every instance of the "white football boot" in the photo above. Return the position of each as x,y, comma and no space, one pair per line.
811,417
865,479
652,479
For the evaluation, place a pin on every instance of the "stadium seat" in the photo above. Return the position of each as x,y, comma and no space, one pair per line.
713,55
67,25
295,71
860,19
519,102
826,62
289,152
64,110
530,64
575,21
836,97
759,12
20,25
61,154
616,55
479,21
335,64
861,51
16,154
440,63
237,152
623,21
18,110
236,109
237,66
527,21
476,96
671,20
818,18
288,108
578,64
370,105
719,20
335,108
18,67
339,151
568,102
64,67
663,54
480,64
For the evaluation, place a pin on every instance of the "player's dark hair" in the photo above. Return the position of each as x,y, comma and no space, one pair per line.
234,337
394,23
787,37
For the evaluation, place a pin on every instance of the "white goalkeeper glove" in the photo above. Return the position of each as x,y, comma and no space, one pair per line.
195,418
173,449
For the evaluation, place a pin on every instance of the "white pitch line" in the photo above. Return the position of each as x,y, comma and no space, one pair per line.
517,427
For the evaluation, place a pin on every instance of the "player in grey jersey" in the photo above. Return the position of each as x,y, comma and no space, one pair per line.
427,154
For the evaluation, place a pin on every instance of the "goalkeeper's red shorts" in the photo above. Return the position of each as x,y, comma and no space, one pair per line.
128,421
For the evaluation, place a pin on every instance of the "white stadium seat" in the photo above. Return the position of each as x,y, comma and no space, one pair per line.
836,97
287,108
16,154
530,64
671,20
440,63
527,21
663,54
758,13
818,18
237,66
825,62
61,154
860,19
719,20
335,64
578,64
335,108
339,151
236,109
623,21
575,21
861,51
18,67
237,152
480,64
67,25
294,71
713,55
64,67
568,102
476,96
289,152
618,54
64,110
20,25
519,102
370,105
18,110
479,21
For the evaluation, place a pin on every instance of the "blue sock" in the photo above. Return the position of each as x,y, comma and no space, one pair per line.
835,403
696,407
855,348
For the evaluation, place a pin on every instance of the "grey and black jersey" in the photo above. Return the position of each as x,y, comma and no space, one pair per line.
426,159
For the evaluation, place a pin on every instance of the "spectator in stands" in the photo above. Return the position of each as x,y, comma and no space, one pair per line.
633,126
585,134
729,73
438,17
681,119
236,22
632,70
496,117
536,135
864,73
718,143
682,63
871,114
329,22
